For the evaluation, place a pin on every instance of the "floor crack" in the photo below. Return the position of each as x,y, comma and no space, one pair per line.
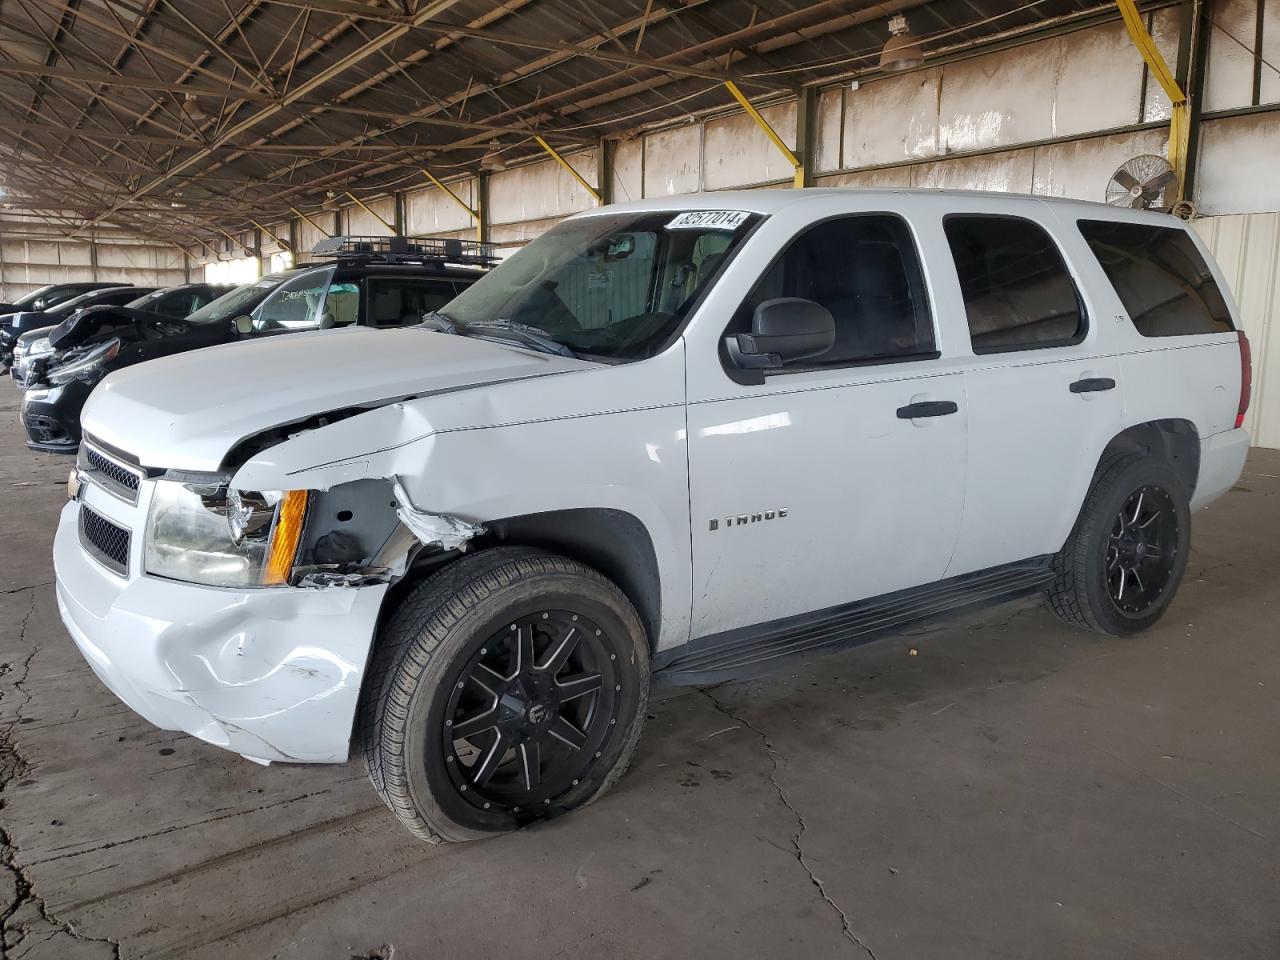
802,827
16,918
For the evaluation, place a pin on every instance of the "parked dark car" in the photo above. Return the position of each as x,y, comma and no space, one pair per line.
42,298
176,302
16,324
368,281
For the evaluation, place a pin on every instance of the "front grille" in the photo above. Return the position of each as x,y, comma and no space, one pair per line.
114,477
106,542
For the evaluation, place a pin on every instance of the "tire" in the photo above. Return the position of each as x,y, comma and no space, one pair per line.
510,638
1133,536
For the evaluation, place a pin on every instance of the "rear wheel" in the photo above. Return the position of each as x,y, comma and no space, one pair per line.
1123,562
509,687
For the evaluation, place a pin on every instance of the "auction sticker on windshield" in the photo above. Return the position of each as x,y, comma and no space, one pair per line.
709,220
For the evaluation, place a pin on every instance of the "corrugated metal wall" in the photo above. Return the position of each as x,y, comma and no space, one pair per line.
1247,247
33,254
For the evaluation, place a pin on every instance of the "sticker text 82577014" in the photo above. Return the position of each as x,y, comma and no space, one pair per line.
709,220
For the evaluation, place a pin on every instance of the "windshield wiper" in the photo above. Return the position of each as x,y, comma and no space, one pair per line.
439,323
530,335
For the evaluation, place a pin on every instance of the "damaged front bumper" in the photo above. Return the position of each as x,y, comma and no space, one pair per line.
273,674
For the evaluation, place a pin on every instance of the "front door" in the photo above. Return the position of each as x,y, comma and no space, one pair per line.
841,476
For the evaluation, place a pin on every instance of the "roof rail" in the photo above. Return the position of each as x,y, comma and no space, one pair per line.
406,250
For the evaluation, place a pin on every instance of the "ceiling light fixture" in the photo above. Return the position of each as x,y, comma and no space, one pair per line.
902,50
191,105
492,161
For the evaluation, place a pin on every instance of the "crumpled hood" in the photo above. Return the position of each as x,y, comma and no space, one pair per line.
187,411
105,321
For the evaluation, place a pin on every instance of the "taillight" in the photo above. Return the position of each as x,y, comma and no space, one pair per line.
1246,378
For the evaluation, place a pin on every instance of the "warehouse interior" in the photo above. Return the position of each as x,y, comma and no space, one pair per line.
1000,785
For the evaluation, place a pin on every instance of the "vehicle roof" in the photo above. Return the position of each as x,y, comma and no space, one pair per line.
774,200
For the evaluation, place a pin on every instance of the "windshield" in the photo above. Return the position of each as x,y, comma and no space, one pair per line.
29,298
615,286
75,303
241,300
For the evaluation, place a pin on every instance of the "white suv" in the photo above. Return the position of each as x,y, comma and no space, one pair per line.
681,438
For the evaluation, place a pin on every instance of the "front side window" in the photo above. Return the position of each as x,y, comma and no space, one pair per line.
399,302
1018,293
296,305
1160,277
865,270
613,286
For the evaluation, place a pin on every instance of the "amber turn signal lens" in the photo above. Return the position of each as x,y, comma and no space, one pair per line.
285,537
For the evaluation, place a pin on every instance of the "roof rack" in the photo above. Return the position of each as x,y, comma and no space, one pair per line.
406,250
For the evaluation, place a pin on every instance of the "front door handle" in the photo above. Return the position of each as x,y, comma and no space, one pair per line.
1093,385
927,408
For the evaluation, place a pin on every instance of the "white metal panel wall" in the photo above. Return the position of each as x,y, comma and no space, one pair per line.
1228,79
1247,247
672,161
628,170
736,152
1239,163
359,222
536,191
429,211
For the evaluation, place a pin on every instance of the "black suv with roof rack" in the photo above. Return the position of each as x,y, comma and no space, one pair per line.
350,281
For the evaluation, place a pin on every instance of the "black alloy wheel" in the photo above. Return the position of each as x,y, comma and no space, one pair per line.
1121,566
509,686
1142,550
530,712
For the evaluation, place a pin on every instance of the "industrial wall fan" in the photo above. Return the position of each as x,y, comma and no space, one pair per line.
1145,182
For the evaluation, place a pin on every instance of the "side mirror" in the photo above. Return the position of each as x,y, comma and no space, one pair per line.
783,330
243,325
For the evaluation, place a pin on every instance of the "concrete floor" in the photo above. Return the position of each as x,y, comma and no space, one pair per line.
999,787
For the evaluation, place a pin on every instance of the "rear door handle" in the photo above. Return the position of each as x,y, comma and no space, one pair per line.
927,408
1093,385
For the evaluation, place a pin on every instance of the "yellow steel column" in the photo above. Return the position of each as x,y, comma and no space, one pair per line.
763,124
1180,120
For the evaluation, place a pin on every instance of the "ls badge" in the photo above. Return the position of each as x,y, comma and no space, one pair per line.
744,518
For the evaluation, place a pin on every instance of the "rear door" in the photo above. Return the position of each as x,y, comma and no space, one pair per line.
818,487
1043,392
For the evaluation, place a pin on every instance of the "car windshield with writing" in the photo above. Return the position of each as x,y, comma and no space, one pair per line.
613,286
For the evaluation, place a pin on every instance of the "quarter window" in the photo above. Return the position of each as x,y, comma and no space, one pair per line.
1160,277
396,302
1018,293
866,271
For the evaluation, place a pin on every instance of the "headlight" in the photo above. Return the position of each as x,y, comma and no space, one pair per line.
86,367
40,345
202,535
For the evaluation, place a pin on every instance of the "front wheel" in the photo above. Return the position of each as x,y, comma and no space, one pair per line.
508,687
1125,558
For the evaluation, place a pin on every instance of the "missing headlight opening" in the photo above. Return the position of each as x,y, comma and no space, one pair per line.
357,534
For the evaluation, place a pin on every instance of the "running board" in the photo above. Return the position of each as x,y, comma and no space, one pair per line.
750,650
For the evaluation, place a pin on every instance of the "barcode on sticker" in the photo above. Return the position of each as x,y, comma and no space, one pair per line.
709,220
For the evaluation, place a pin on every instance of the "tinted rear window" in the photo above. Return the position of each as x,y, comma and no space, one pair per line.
1018,293
1160,277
